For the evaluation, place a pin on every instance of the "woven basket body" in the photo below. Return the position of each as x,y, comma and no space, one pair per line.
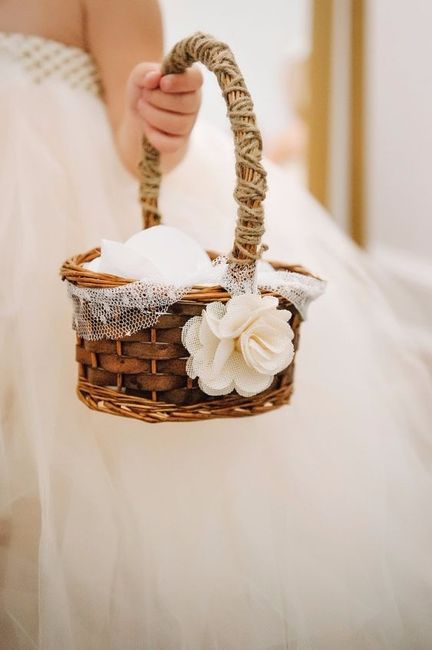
143,375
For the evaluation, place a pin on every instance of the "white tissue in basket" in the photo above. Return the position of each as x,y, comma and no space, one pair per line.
160,253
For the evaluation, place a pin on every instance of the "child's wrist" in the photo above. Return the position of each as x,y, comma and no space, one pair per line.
129,137
169,161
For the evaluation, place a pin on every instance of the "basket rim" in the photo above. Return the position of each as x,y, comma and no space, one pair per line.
73,271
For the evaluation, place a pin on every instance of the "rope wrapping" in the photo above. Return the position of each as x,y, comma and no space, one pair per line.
251,183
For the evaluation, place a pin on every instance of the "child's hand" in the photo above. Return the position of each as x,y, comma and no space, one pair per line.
167,106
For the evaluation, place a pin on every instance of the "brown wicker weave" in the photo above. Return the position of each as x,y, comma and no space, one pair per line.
143,376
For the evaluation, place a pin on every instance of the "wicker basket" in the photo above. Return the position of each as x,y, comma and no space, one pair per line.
143,376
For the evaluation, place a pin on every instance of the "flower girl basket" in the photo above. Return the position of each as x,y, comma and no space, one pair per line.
131,357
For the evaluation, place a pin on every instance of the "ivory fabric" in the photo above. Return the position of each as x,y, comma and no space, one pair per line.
309,527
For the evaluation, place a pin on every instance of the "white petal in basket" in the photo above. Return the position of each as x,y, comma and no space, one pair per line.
160,253
238,346
117,259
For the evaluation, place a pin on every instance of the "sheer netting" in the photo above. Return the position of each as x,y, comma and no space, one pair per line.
121,311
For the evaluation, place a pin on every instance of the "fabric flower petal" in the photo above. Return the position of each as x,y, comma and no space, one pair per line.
239,346
209,390
222,354
267,347
248,381
206,334
191,334
242,310
213,314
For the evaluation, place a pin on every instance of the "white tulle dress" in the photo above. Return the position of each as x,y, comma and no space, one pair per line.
308,528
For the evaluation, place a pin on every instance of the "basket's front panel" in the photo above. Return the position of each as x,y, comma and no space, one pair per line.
150,363
144,375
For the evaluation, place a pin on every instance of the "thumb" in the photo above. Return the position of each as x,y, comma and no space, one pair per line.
152,79
144,75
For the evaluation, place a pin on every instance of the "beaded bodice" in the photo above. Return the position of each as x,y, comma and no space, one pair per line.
43,59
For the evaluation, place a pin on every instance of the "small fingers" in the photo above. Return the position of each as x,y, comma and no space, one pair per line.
151,80
186,82
185,103
143,75
168,122
166,105
146,75
163,142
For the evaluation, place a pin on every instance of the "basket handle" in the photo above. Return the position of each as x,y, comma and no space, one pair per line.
251,177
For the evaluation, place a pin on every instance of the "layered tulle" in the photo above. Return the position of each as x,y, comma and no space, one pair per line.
307,528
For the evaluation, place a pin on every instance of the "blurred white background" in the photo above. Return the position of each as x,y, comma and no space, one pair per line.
398,142
399,134
264,37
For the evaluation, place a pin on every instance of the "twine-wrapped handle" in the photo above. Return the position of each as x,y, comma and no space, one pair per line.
251,177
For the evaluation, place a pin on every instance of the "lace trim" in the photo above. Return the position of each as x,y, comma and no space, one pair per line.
43,59
121,311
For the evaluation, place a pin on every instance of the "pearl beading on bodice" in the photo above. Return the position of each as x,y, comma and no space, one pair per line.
44,59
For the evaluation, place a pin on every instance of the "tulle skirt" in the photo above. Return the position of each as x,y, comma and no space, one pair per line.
308,528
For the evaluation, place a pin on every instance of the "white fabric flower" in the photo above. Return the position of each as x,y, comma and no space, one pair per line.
238,346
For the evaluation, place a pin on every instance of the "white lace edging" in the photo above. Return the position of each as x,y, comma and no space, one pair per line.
121,311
